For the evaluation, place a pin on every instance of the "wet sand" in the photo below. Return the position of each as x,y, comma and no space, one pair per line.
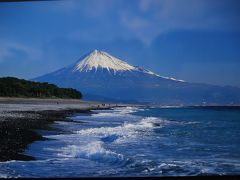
20,118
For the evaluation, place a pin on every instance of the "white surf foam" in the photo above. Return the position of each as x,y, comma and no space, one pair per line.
126,130
117,112
92,143
94,151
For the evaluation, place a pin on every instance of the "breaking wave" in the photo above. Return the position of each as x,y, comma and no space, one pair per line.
94,151
116,112
92,143
125,131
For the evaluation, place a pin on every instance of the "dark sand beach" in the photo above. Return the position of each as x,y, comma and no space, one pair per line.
20,118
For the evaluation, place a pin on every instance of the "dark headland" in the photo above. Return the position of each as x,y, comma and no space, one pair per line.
20,118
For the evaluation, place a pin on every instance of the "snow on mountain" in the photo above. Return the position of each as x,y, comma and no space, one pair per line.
101,60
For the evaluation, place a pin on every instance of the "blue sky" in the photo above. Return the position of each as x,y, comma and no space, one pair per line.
193,40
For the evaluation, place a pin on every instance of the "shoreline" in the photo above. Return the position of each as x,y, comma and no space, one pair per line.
21,118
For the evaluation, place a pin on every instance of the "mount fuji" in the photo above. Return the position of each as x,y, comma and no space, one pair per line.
100,76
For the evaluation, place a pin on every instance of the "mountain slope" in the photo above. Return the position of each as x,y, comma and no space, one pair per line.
101,74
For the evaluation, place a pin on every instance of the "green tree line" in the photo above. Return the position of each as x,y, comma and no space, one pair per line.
14,87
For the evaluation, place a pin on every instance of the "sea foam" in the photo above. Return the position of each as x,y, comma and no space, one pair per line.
126,131
93,150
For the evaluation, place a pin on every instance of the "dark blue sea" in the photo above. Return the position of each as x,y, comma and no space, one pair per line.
132,141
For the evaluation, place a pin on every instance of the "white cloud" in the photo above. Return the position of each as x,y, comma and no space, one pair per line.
87,8
155,17
8,50
147,19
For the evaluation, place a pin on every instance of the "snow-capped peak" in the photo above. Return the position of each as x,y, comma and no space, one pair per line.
102,60
99,59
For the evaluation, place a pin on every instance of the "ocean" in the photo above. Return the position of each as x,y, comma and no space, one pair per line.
137,141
